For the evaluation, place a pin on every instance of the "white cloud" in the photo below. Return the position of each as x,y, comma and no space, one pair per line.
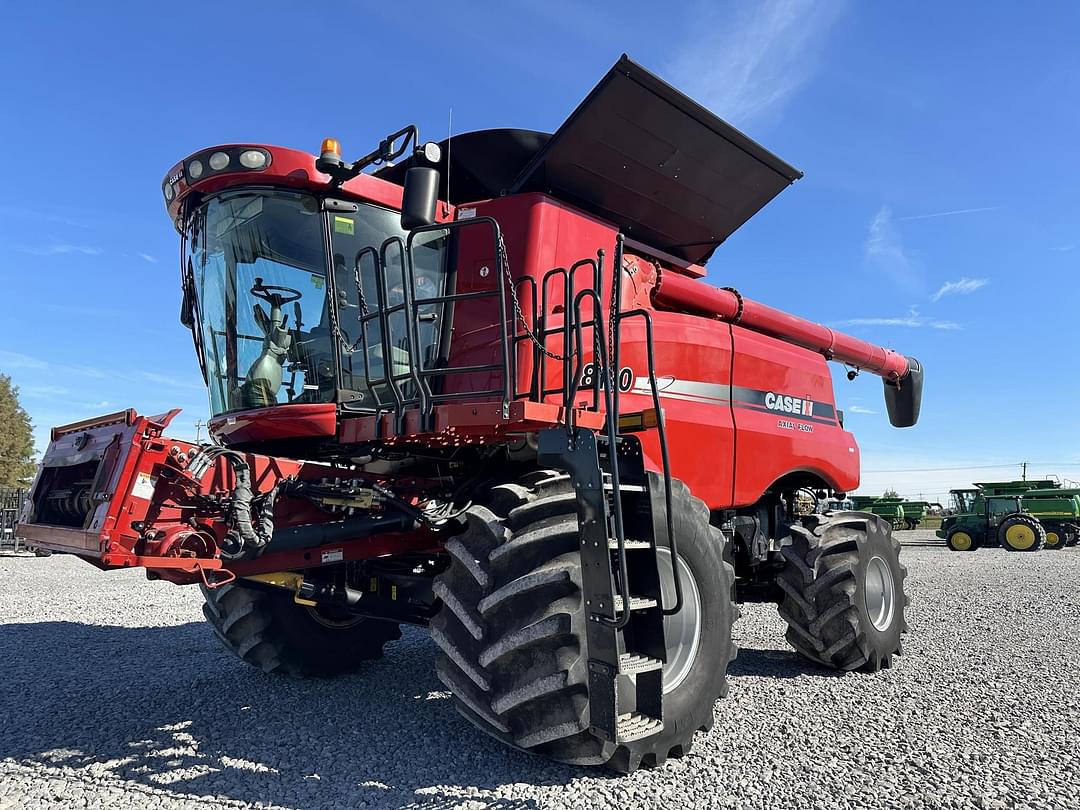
744,59
63,249
147,257
949,213
42,391
913,319
884,249
163,379
858,409
19,212
1063,248
964,286
18,360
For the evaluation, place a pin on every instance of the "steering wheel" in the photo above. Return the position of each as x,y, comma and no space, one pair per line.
274,295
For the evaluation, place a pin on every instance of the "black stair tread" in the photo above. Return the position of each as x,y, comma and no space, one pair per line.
634,726
623,486
633,663
636,603
629,544
608,487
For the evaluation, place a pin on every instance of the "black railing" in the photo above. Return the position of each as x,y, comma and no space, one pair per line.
11,502
415,386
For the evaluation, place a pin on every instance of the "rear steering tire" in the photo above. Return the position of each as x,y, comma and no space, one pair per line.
844,591
513,646
268,630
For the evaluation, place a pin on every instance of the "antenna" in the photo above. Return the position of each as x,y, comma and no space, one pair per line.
449,138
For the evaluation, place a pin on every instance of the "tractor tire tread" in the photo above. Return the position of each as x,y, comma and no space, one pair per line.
820,604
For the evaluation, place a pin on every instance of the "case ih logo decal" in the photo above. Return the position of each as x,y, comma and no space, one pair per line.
799,408
786,404
803,409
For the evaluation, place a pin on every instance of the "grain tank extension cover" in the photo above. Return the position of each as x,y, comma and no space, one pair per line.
668,172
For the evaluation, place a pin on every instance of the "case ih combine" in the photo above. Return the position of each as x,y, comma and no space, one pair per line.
486,391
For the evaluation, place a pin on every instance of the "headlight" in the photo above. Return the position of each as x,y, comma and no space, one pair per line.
170,192
218,161
195,169
252,159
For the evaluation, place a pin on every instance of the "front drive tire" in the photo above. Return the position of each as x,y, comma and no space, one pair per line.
844,591
961,540
268,630
511,633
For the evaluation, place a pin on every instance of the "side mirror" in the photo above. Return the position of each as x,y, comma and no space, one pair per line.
420,197
187,312
904,400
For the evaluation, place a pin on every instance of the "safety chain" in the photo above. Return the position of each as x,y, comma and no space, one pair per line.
521,317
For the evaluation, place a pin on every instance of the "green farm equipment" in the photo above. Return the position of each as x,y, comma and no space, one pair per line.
915,512
891,509
984,518
1058,510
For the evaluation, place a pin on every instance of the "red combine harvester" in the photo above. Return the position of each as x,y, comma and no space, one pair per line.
485,390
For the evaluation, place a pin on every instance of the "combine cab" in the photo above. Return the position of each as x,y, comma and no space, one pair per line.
507,409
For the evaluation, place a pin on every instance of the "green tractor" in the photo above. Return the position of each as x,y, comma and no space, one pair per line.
1057,509
984,518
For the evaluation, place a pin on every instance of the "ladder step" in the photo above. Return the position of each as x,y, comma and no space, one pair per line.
636,603
629,544
634,726
608,486
634,663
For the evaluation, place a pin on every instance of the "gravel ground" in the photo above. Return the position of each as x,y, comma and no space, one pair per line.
115,694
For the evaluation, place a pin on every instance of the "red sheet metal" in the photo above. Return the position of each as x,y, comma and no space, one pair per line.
679,292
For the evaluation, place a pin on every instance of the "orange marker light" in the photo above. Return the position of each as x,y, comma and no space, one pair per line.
331,149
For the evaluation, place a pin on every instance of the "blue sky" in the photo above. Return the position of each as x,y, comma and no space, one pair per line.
939,215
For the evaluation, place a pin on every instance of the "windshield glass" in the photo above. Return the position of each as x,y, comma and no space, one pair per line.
1003,506
963,501
258,266
357,239
264,327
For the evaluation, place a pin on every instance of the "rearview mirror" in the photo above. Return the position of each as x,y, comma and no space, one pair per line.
419,198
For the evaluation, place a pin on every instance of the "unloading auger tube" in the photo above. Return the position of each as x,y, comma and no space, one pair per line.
902,376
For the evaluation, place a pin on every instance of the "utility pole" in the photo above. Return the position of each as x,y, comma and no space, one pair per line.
1024,471
199,423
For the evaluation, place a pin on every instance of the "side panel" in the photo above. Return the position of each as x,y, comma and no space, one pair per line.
785,418
693,372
